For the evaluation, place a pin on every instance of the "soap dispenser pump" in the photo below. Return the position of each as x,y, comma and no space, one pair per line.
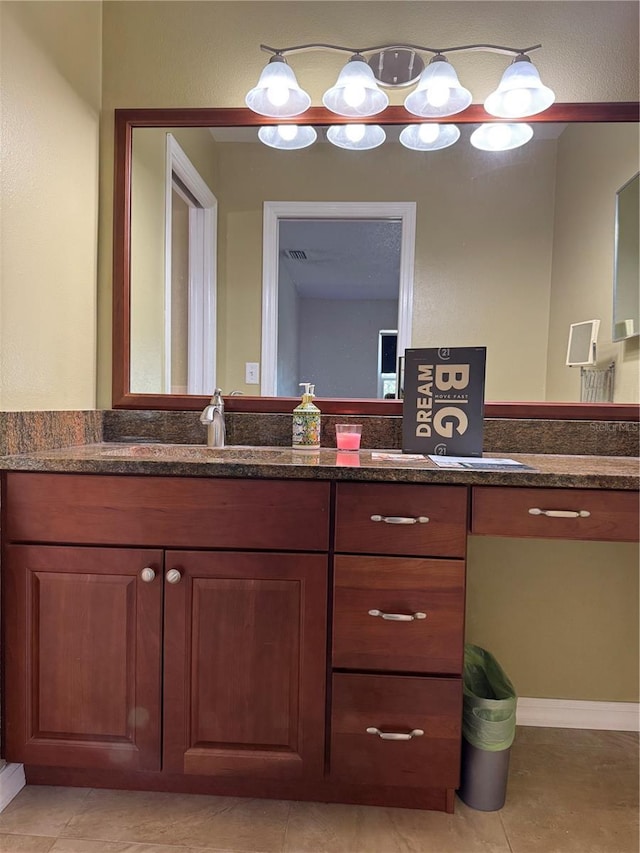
306,421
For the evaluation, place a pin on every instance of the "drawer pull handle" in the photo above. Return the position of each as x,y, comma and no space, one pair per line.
372,730
398,617
400,519
147,575
173,576
560,513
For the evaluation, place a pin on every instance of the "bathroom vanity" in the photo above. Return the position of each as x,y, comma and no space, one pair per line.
255,623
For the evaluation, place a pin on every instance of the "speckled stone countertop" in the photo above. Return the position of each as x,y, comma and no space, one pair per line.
185,460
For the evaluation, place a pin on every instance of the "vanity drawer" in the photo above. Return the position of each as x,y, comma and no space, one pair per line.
398,586
612,515
396,704
179,512
443,535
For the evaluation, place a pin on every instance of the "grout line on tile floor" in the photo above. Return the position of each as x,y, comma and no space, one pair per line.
504,829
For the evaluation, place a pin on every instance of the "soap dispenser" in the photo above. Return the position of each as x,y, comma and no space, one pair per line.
306,421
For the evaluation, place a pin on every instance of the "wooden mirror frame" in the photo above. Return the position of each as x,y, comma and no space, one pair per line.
128,119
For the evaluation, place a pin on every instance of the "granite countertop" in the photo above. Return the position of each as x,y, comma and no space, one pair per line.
188,460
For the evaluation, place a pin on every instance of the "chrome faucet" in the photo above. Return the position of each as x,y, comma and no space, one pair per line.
213,417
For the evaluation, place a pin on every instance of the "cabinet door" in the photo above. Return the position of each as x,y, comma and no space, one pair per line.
245,664
82,656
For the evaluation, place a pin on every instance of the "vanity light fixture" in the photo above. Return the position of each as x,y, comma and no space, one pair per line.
356,137
439,93
277,94
501,137
429,137
356,93
520,93
287,136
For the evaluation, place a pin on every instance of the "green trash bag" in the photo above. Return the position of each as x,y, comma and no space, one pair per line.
489,706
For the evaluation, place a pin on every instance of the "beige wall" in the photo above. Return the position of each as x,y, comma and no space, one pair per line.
581,285
50,101
561,617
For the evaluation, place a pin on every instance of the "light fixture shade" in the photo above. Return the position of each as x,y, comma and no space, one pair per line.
429,137
501,137
438,92
520,92
288,137
277,94
356,93
356,137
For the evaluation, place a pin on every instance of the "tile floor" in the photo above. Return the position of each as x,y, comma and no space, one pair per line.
570,791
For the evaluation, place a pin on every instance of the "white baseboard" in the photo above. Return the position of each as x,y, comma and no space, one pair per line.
12,781
578,714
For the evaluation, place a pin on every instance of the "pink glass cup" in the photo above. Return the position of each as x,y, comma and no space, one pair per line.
348,436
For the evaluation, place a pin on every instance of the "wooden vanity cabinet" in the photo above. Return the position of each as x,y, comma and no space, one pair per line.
180,633
208,662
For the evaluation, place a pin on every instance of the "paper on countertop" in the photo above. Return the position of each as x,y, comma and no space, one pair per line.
477,463
395,457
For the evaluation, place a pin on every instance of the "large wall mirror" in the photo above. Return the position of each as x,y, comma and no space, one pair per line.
235,263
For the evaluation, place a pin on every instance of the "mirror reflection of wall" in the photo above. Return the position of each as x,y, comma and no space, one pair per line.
173,262
179,331
626,303
501,241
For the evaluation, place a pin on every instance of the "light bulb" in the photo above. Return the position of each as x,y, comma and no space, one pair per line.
287,132
354,132
277,94
438,94
354,94
428,133
498,136
517,102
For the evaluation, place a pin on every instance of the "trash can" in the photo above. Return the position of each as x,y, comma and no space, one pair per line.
488,730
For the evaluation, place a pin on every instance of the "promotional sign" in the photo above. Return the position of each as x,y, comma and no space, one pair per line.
443,406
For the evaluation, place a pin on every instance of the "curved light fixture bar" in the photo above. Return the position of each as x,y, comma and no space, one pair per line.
429,137
287,137
356,137
501,136
277,94
491,48
356,93
520,92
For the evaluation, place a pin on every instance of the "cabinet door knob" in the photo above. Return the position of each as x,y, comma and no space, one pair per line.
173,576
400,519
398,617
560,513
372,730
147,575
